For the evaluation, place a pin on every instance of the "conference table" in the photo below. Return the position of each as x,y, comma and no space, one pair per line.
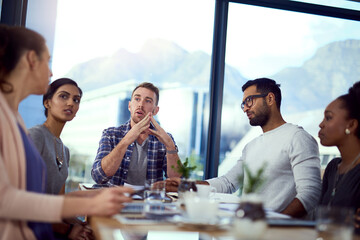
133,226
110,228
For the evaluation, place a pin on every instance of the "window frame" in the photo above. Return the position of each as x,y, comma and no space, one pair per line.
13,12
218,62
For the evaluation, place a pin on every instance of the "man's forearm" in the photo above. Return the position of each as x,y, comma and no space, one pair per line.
111,163
295,209
172,159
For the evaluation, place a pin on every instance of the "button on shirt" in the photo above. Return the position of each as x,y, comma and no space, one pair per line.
156,157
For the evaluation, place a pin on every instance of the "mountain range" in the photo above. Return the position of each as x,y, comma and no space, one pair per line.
326,75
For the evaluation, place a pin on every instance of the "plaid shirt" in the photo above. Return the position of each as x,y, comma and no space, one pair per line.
156,157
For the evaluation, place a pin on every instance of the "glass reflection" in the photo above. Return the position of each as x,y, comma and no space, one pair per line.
129,42
312,57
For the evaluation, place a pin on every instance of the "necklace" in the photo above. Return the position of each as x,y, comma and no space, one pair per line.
337,175
59,160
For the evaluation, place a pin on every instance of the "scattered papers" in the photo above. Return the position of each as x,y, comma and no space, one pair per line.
272,214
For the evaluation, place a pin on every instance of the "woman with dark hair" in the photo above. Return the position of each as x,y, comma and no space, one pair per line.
340,128
25,211
61,103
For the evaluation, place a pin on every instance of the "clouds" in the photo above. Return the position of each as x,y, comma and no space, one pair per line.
86,29
260,41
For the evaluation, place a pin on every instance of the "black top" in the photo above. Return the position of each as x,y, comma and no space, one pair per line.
347,190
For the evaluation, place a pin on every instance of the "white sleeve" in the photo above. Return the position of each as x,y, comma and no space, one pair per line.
229,182
306,169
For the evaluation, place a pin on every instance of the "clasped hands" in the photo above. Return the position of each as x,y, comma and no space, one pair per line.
143,127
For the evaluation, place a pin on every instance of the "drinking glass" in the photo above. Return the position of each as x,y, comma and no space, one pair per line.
334,223
155,192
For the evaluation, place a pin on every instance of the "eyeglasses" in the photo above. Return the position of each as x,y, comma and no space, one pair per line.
249,100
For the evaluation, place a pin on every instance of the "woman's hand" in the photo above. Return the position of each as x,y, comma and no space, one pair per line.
81,232
357,218
110,201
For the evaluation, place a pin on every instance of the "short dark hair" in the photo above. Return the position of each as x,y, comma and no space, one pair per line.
14,41
264,86
149,86
351,102
53,87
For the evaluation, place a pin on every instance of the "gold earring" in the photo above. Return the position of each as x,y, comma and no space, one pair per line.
347,131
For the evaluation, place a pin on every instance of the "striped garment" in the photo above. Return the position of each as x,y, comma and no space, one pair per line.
156,155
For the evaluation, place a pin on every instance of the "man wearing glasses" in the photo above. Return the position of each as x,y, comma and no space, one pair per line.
290,155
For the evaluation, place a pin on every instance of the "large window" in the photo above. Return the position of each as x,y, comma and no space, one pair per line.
314,58
348,4
109,47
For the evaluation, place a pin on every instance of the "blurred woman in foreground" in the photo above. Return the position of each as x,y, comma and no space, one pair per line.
25,211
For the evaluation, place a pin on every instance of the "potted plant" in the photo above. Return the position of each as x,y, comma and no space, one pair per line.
254,181
186,184
250,219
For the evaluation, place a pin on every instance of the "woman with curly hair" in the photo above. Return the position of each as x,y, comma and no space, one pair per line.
340,127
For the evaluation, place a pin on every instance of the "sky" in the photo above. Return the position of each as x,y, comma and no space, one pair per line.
260,41
110,26
271,39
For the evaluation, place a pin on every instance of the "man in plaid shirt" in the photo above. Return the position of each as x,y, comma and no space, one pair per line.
139,149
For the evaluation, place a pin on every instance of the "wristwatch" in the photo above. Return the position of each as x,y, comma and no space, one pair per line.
173,151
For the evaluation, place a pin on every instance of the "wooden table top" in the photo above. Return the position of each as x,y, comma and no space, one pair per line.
107,228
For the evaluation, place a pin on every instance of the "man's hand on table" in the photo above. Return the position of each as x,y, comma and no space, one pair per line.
172,184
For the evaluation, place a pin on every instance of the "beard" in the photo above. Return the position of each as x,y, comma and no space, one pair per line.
262,117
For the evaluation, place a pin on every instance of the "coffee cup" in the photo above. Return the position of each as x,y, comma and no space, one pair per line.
205,191
201,210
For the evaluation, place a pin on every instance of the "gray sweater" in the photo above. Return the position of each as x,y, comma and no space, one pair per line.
292,170
45,142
